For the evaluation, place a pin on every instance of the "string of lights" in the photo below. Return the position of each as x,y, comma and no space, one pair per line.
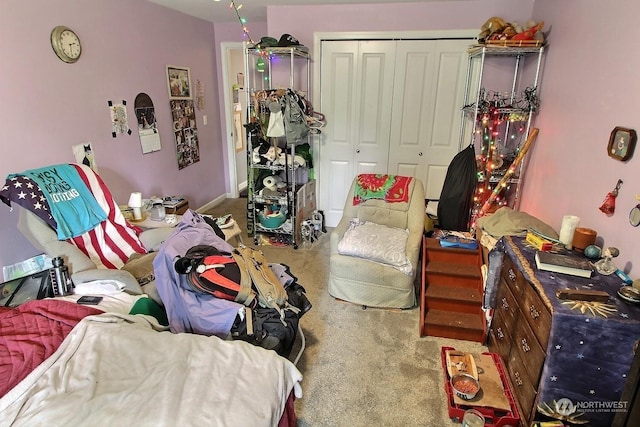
243,22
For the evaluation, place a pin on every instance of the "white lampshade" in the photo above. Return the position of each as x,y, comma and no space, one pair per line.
135,200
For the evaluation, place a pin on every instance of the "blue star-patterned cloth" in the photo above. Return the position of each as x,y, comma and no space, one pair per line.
591,346
23,191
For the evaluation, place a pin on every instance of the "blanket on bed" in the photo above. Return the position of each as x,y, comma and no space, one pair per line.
115,369
31,333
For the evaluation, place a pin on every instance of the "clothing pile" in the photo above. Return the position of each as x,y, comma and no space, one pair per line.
210,288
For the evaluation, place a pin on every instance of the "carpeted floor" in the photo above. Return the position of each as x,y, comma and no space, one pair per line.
361,367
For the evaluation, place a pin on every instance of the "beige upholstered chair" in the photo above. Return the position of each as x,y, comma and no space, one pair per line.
82,268
370,283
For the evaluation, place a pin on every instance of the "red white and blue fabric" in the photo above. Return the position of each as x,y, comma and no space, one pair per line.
113,241
109,244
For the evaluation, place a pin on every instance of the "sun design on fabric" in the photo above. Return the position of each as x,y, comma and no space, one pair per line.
563,410
593,307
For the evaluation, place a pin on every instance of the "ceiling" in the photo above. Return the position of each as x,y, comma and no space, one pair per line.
252,10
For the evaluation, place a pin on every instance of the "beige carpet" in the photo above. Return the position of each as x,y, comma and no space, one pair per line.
361,367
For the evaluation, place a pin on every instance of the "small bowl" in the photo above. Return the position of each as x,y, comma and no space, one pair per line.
465,386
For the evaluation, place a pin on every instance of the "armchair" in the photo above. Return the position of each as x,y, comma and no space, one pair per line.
372,283
110,251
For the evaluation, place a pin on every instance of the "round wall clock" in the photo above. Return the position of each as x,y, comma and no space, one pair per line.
66,44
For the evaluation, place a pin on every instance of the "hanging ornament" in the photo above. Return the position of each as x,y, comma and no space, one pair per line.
609,205
260,65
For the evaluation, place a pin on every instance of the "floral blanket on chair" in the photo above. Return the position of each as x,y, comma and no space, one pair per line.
390,188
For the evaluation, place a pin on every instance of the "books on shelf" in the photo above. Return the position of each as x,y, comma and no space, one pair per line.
565,264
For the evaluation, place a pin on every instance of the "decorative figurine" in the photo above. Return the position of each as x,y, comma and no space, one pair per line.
609,205
606,266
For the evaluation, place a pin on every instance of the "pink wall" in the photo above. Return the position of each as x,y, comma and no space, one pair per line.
590,85
48,105
303,21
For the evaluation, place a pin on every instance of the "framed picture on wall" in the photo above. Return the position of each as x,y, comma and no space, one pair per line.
621,143
179,82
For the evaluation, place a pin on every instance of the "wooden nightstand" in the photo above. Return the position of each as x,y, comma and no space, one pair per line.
177,209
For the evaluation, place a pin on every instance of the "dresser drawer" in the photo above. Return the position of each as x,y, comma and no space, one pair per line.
499,340
513,277
536,314
506,304
526,347
523,390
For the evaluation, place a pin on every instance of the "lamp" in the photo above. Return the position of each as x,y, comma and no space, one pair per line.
135,203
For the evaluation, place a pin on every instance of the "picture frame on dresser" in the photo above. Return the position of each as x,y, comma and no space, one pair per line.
622,142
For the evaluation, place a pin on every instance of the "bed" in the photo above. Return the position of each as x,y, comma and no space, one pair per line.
72,364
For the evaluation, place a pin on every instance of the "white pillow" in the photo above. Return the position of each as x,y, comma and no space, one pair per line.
377,243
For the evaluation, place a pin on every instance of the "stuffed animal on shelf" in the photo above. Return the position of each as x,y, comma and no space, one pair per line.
298,161
496,28
530,31
493,25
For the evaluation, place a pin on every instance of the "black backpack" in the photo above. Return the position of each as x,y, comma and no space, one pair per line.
456,198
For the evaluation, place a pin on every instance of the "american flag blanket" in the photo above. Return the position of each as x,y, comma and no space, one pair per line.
108,245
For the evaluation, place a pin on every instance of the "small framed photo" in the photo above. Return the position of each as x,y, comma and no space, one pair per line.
621,143
179,82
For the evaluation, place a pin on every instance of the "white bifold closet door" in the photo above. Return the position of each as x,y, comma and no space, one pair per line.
392,106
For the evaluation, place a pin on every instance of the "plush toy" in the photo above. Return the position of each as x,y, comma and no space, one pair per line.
494,25
529,32
496,28
298,161
259,150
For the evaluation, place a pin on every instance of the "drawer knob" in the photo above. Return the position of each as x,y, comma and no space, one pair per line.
518,379
534,313
500,333
512,275
525,345
505,304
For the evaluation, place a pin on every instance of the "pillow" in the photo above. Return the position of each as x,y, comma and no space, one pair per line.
141,267
377,243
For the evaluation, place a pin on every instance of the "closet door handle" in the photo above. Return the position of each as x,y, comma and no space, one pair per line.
357,151
420,154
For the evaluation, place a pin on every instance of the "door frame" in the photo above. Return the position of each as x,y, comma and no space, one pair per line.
225,47
319,37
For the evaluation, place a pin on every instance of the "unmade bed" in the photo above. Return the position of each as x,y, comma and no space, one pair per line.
63,363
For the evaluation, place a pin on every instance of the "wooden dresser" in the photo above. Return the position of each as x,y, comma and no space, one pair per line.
557,350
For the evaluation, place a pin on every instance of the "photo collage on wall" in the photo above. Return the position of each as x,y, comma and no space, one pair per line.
186,133
184,115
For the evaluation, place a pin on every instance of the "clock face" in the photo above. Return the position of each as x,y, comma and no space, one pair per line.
66,44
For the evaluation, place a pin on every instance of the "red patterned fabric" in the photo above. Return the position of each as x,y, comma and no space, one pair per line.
31,333
390,188
110,244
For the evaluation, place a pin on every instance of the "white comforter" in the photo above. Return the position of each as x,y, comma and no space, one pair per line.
115,369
